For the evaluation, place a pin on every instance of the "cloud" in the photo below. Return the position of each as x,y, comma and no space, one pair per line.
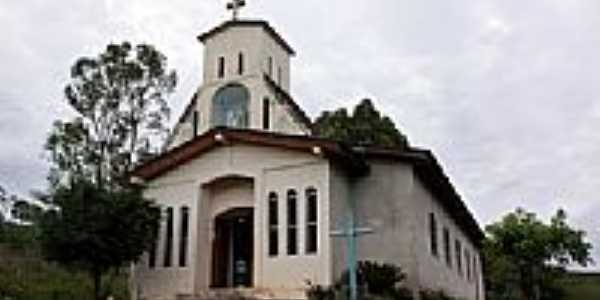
504,92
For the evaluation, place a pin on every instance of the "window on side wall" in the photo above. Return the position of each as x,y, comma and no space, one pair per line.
273,215
312,211
433,235
447,247
458,253
292,222
468,264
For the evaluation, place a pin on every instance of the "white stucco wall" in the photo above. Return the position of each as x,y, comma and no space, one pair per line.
434,272
383,204
271,170
256,45
290,273
394,203
158,282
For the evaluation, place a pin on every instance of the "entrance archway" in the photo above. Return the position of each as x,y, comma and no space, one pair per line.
233,248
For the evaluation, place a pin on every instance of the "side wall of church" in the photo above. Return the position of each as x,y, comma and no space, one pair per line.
270,170
396,206
433,270
384,204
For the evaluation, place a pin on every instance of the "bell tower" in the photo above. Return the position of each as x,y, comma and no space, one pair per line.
246,82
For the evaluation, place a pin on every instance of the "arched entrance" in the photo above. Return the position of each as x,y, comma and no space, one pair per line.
233,248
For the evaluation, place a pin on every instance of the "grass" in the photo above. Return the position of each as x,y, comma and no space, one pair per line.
25,275
581,286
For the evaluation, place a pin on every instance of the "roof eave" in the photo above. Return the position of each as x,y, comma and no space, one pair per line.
264,24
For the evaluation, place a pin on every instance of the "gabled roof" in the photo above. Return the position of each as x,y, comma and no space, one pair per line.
355,161
248,23
216,137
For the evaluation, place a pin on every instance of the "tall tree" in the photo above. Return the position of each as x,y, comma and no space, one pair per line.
524,255
97,229
102,222
365,126
3,204
120,101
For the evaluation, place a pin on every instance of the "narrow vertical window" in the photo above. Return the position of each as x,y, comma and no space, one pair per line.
195,122
292,223
270,67
311,221
476,272
221,67
152,252
273,214
266,114
468,264
279,76
183,236
169,238
240,63
433,235
447,247
458,253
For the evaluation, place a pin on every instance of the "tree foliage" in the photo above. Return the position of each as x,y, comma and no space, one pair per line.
120,101
365,126
3,206
101,221
524,256
96,229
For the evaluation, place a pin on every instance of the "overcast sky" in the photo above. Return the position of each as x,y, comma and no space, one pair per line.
506,93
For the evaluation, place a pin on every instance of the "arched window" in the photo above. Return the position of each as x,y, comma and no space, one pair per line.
273,215
312,211
292,222
230,107
183,236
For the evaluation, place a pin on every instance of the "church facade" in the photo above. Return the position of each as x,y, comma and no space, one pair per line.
251,198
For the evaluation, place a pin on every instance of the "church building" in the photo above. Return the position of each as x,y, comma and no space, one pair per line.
252,200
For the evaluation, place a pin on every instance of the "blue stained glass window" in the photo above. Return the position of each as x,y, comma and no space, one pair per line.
230,107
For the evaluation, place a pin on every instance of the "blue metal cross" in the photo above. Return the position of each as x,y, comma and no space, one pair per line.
350,232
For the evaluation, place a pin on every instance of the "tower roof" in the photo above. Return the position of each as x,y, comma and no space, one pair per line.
248,23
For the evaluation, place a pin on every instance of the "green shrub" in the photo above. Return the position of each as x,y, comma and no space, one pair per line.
376,281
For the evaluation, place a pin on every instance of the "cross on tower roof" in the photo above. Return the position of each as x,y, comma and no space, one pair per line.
235,6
